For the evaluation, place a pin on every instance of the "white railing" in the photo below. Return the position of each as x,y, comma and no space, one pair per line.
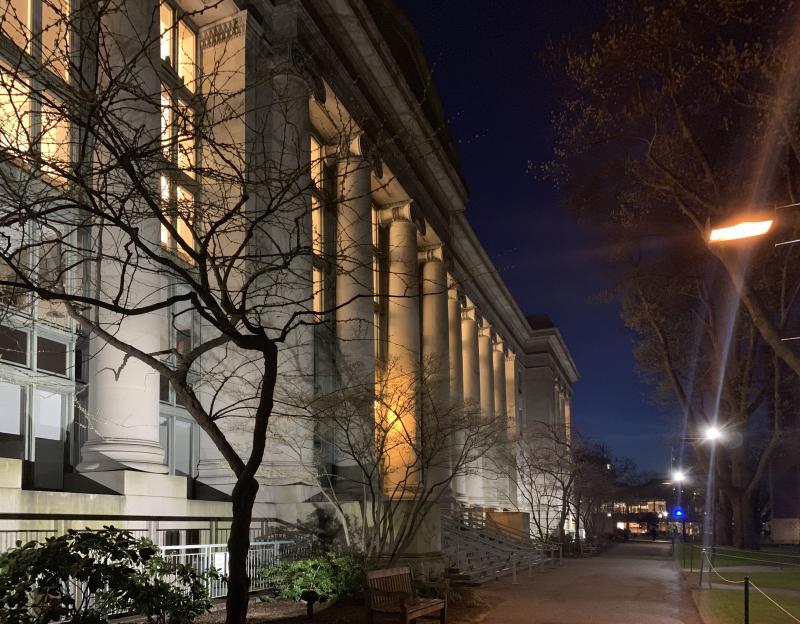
260,557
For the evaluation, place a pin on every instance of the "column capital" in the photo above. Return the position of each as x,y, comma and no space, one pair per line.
469,313
498,344
511,356
404,211
484,329
434,253
290,59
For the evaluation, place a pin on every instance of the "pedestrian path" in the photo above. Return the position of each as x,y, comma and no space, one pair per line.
628,584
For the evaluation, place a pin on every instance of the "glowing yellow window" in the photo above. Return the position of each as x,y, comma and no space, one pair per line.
54,143
167,16
165,237
186,144
185,224
317,232
187,45
14,111
318,285
316,162
15,21
166,124
55,36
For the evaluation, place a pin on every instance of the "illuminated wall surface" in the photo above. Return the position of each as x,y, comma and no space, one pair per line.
399,295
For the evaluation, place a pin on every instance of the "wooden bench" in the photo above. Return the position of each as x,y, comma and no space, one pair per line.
391,592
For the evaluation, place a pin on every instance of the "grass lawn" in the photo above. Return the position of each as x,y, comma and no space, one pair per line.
788,579
685,554
723,606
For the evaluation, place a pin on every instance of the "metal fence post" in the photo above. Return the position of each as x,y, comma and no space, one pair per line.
702,557
746,600
691,557
514,569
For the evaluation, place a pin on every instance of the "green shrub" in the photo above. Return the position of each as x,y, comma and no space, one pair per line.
84,577
331,575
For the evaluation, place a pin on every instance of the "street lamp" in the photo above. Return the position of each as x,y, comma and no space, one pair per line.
678,476
712,433
738,231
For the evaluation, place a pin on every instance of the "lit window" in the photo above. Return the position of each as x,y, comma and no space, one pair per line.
178,45
186,138
15,21
319,294
55,36
14,111
316,162
166,124
317,231
185,224
54,141
167,19
187,45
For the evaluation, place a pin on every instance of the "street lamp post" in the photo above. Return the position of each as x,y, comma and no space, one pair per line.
712,434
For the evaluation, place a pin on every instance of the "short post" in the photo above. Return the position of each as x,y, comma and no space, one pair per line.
530,566
746,600
514,569
702,557
691,557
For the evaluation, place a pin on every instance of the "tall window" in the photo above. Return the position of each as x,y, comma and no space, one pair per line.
179,187
30,115
323,250
380,286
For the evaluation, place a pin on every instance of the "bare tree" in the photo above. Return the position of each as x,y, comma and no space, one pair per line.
388,475
169,215
544,468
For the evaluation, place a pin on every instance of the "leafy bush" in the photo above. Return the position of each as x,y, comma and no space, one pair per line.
84,577
331,575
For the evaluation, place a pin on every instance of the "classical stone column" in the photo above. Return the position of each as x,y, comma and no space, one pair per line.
472,393
123,409
399,389
456,382
488,468
512,432
354,309
511,396
499,453
436,405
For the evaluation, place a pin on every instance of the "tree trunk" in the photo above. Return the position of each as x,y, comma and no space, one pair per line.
244,496
743,522
722,518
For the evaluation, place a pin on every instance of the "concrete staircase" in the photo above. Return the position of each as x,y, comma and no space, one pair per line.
479,550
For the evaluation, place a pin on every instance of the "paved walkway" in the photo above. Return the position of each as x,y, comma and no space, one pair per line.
632,583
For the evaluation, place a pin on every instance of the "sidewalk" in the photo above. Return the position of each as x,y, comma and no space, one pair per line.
627,584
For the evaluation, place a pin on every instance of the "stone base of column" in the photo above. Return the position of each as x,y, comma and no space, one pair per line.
424,553
112,454
134,483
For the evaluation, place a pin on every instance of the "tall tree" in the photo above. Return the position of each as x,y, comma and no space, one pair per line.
674,116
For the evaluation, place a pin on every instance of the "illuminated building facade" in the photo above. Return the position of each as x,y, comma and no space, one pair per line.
418,281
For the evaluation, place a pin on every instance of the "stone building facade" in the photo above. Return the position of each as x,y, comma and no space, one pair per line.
79,437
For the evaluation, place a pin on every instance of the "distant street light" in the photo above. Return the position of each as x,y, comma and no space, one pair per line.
678,476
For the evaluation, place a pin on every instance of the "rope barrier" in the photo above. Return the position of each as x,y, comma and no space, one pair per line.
749,582
775,563
760,591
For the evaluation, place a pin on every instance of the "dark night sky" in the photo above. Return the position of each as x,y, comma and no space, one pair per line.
498,101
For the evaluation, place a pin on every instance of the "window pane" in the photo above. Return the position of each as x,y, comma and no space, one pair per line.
186,209
163,437
316,162
12,442
317,225
15,21
163,389
166,15
186,53
14,112
186,145
51,356
13,346
54,143
319,293
183,448
50,273
55,36
10,243
49,447
165,237
166,124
